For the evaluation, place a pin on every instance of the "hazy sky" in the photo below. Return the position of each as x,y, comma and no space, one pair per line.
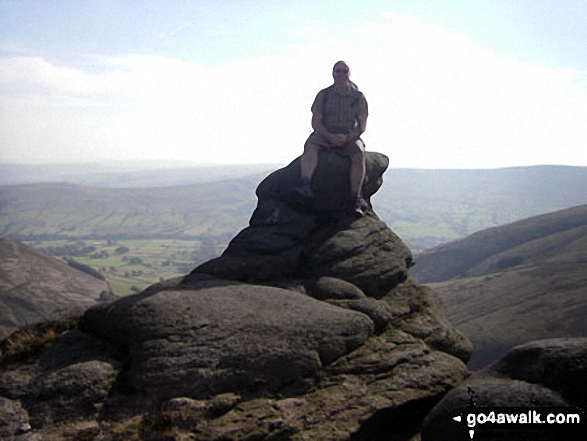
450,84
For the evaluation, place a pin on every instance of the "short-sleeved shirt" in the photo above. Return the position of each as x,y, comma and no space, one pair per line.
340,112
339,115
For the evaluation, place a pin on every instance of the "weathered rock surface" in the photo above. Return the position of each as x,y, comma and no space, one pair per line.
540,374
222,337
559,364
330,183
73,374
292,238
306,328
13,418
291,366
234,361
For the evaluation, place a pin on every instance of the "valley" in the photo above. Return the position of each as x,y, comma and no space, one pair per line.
132,265
515,283
503,248
189,215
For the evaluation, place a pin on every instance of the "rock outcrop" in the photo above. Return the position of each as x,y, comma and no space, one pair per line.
291,238
540,374
228,337
306,328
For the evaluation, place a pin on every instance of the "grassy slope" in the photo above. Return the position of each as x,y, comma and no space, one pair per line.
34,286
211,209
429,207
460,258
424,207
515,283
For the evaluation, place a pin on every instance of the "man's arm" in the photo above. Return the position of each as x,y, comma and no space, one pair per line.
336,140
361,120
317,124
360,128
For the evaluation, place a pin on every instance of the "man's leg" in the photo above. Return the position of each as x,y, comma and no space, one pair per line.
357,176
308,164
309,160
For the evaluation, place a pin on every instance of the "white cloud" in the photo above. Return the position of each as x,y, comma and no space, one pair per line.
436,100
444,101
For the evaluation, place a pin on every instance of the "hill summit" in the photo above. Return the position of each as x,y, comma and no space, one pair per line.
306,327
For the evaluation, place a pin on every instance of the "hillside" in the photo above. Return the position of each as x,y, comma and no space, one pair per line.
34,286
71,210
128,174
495,249
424,207
429,207
170,229
512,284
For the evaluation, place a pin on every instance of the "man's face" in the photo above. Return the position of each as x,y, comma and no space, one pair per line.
341,73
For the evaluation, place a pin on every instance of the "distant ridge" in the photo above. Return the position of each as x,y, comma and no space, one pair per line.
71,210
127,174
480,253
513,284
429,207
424,207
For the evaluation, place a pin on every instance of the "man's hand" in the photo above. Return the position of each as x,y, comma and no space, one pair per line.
338,140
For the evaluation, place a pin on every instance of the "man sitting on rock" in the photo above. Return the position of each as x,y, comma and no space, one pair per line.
339,117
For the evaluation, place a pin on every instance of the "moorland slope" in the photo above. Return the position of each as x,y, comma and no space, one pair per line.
71,210
515,283
34,286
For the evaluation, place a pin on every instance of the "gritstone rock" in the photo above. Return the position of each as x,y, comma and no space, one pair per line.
297,238
539,374
301,330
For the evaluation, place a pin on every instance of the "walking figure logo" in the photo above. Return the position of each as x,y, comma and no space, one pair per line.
459,418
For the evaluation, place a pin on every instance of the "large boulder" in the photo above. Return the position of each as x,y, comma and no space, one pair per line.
330,182
305,328
236,361
261,362
559,364
542,374
289,237
223,336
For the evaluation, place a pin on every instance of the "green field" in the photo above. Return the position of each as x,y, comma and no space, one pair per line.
132,265
169,230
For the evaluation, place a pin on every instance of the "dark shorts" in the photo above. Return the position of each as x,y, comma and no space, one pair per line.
348,149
